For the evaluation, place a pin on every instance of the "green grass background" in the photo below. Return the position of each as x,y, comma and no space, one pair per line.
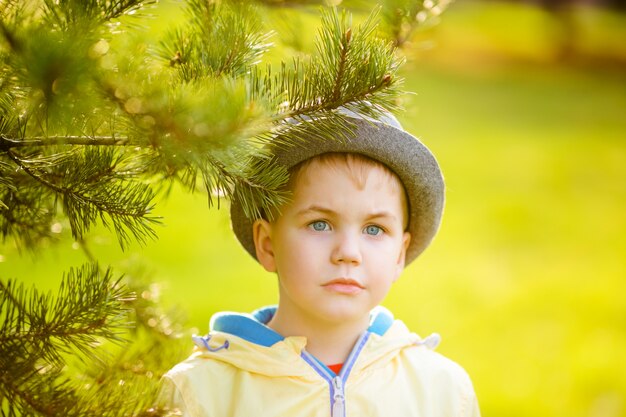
526,281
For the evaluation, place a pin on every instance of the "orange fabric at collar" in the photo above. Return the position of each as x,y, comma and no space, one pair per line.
335,368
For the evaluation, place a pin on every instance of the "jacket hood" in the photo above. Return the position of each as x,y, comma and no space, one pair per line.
245,342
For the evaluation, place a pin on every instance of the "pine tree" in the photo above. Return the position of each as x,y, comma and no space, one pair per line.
93,125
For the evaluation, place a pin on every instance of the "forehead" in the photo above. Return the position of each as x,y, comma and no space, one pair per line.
335,180
356,167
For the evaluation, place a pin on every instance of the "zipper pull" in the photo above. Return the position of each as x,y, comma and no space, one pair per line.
338,398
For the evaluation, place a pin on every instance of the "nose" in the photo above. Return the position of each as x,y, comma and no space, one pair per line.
346,249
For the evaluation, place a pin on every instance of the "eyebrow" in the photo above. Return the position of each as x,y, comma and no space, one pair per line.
327,211
314,209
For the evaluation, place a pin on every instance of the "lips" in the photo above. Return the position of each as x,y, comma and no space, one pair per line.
344,286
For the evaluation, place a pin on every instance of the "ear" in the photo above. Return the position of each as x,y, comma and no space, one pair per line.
406,239
262,235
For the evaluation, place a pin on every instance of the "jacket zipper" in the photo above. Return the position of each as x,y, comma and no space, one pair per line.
337,382
339,404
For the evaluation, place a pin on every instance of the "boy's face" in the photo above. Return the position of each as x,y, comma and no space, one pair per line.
336,247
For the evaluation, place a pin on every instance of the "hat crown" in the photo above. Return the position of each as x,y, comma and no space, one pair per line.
385,117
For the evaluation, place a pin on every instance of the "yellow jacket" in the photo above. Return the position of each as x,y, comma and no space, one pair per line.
244,369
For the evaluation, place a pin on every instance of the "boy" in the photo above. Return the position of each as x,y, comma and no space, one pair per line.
361,208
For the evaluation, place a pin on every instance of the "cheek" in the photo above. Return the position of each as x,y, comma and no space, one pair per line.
384,252
383,263
304,242
298,255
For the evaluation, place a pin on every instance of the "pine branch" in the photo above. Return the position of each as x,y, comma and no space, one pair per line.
129,384
218,39
206,130
89,306
39,391
39,331
352,68
96,184
358,63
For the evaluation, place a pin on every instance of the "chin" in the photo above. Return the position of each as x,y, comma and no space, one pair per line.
341,314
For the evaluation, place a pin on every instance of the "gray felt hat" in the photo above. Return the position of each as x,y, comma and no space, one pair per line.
384,140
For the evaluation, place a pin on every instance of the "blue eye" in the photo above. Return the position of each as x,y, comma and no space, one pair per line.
319,226
373,230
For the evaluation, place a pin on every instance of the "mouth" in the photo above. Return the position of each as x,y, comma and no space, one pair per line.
344,286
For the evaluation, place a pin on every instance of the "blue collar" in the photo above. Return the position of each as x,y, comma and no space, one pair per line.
253,328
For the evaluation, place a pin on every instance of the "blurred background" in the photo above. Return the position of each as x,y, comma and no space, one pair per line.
524,105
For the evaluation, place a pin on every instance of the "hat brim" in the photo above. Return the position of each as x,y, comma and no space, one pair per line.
400,151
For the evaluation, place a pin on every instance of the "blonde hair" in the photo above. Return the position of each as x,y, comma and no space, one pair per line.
357,167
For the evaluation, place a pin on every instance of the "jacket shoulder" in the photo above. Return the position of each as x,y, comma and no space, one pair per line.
196,366
431,364
191,386
442,377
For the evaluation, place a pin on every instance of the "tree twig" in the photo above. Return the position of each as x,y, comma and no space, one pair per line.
7,143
